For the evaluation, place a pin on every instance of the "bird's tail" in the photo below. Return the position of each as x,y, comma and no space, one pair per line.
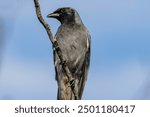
70,90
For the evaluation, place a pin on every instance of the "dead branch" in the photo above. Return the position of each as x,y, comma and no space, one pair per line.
54,43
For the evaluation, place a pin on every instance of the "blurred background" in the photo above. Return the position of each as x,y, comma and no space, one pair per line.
120,59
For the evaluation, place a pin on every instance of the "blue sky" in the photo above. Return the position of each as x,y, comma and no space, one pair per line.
120,59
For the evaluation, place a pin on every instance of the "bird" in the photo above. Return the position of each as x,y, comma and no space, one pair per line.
74,41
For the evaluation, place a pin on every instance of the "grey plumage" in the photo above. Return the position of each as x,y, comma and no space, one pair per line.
74,41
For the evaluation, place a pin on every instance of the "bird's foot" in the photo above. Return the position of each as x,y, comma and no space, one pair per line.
74,87
72,84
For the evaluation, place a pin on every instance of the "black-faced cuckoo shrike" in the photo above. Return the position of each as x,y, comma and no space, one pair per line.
74,41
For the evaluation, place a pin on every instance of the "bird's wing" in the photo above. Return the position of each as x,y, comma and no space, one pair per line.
85,68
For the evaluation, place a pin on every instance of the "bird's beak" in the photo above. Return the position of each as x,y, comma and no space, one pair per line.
53,15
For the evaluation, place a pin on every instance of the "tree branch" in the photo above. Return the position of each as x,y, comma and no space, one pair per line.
54,43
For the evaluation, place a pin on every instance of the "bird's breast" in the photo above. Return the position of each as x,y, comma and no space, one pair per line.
72,42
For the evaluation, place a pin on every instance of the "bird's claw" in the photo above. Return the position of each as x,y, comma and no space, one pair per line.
72,84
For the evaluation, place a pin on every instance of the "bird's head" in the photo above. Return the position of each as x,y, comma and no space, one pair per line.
66,15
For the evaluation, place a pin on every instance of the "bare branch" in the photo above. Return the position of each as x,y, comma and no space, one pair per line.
54,43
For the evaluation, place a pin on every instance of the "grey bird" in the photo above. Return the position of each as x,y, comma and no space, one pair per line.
74,41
